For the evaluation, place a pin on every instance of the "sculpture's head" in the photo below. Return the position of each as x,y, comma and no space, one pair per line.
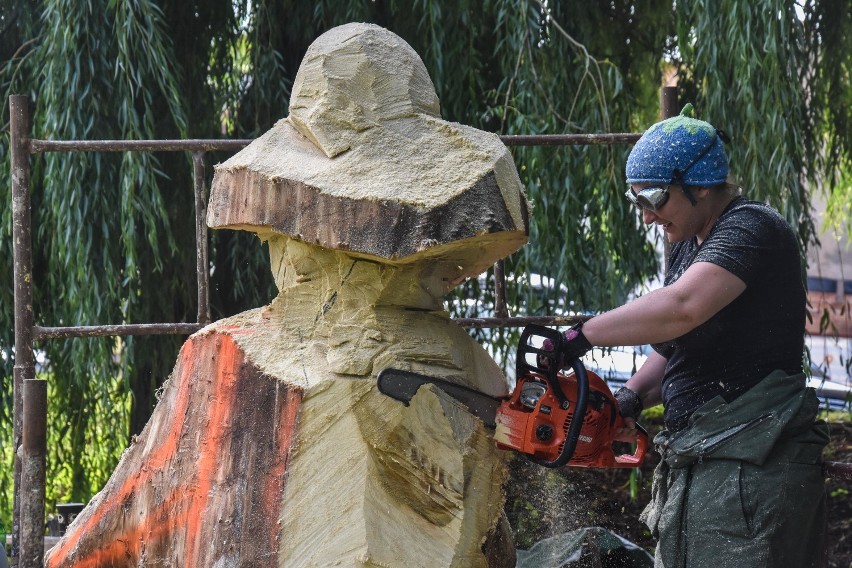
364,164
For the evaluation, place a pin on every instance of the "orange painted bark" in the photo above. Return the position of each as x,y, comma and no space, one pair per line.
204,480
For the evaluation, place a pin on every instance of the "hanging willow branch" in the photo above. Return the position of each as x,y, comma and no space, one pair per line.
749,85
589,62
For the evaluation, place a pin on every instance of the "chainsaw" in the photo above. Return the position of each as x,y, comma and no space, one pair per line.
553,418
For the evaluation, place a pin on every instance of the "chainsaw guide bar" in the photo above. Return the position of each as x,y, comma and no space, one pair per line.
403,385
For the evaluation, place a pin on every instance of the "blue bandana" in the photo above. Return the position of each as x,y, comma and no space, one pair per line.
682,150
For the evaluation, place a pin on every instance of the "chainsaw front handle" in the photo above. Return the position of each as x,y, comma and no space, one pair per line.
577,422
522,367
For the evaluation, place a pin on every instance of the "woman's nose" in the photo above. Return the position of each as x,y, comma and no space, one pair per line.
648,216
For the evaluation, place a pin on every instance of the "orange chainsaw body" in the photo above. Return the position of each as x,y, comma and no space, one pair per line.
534,422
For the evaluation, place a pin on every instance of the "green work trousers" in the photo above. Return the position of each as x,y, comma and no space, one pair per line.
743,485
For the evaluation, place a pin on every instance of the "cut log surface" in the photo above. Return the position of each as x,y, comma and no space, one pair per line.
383,228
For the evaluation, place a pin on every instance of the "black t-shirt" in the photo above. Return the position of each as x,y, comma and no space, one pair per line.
760,331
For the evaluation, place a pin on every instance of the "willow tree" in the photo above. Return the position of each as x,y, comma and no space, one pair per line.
112,232
113,237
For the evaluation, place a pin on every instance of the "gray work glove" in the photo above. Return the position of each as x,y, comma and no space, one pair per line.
629,403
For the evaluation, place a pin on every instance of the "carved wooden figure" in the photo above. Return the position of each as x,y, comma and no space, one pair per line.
271,445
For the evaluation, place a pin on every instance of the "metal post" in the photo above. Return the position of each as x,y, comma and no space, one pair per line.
500,309
19,124
668,102
668,109
201,268
33,473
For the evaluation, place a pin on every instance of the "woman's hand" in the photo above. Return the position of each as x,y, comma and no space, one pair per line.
574,347
628,433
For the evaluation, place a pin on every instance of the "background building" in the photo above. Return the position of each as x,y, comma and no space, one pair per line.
830,300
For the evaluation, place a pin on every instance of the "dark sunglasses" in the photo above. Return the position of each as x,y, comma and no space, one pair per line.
650,198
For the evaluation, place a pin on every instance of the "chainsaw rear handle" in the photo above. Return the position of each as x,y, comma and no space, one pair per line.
522,367
638,457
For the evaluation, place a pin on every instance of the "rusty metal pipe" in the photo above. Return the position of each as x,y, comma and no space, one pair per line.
117,330
208,145
668,102
33,473
201,269
190,145
569,139
24,369
520,321
500,309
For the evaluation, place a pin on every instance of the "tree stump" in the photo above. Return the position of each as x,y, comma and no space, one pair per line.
270,444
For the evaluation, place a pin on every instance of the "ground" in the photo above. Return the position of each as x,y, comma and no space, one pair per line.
543,502
840,499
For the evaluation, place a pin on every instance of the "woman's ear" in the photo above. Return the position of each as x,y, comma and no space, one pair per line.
700,192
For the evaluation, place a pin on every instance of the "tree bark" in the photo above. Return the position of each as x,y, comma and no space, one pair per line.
179,497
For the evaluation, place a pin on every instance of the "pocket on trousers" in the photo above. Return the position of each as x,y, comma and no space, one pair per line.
720,525
719,501
787,501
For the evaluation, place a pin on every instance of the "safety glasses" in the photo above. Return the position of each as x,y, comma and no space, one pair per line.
650,198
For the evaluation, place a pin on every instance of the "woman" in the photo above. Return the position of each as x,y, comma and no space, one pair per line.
740,481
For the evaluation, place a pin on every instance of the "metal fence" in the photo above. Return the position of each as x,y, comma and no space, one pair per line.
30,394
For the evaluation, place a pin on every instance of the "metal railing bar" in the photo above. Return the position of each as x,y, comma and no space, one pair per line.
117,330
569,139
518,321
37,146
43,333
188,145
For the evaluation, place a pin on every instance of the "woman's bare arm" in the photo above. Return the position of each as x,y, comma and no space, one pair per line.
669,312
647,382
